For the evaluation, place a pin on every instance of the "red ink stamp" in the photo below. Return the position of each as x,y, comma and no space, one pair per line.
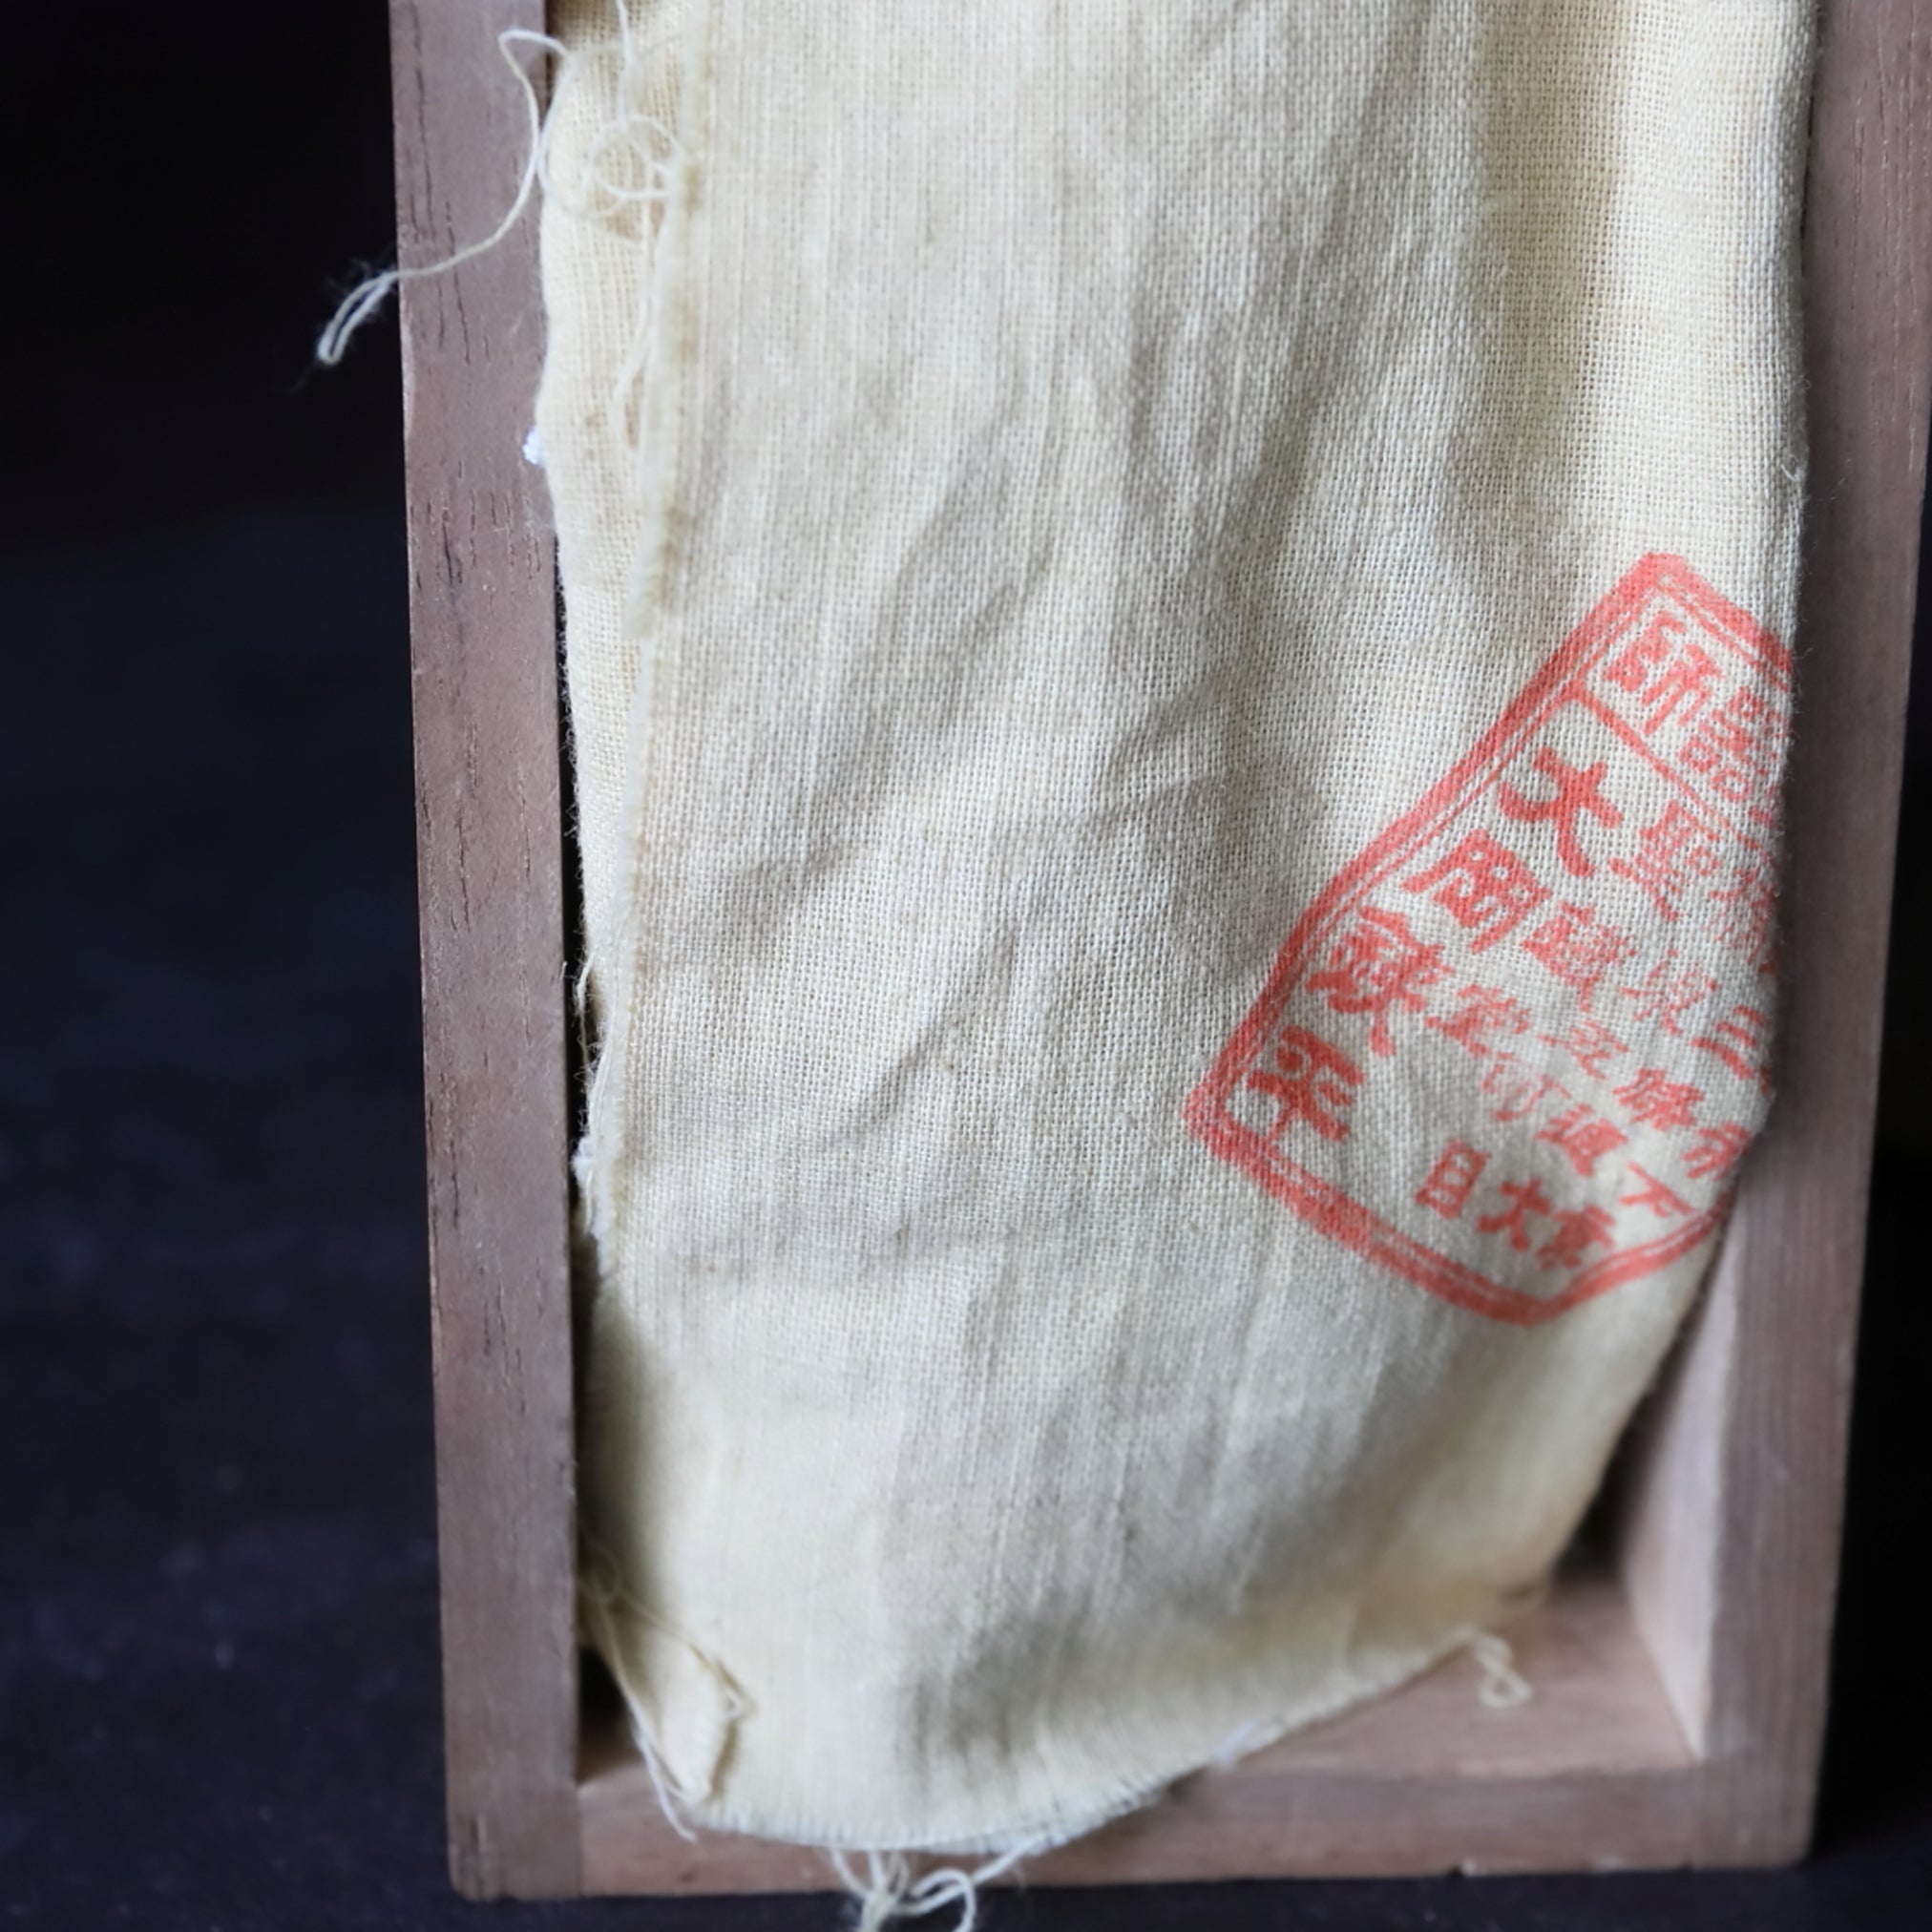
1515,1050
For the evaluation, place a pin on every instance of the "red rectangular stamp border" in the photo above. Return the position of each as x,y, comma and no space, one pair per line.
1326,1207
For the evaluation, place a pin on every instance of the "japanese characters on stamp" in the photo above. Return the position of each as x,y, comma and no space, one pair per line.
1515,1050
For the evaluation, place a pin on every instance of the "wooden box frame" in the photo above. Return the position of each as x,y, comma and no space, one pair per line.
1680,1677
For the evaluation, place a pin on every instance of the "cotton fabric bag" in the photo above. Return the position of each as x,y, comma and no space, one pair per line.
1173,623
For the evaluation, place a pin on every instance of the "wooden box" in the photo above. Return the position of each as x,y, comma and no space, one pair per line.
1679,1668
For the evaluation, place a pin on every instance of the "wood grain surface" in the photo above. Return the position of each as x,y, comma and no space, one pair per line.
482,593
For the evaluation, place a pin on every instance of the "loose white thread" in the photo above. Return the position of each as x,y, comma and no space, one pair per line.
888,1891
660,1788
367,298
1503,1686
1236,1744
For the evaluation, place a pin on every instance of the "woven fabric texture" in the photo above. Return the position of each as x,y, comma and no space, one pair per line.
1173,629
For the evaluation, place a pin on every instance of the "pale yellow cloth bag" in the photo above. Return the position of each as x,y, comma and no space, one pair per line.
1172,623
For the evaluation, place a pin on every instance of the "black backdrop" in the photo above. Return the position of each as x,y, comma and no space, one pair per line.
217,1662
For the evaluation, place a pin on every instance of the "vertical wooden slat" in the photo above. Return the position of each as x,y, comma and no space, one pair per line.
1733,1562
483,624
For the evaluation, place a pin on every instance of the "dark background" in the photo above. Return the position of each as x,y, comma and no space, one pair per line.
218,1701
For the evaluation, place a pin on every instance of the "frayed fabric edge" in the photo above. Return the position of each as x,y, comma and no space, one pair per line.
883,1879
665,353
601,1595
